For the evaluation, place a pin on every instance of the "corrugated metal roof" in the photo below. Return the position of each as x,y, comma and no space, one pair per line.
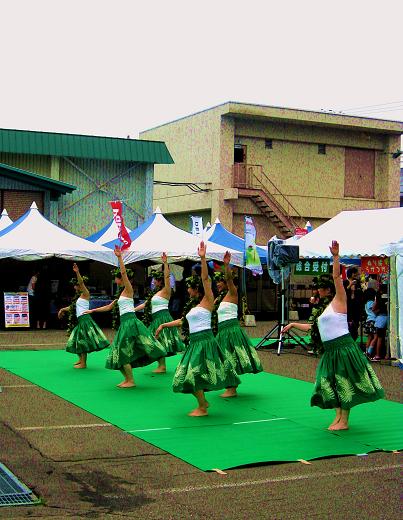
36,180
85,146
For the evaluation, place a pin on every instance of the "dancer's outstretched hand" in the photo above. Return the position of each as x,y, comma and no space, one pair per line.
202,249
75,268
157,332
227,258
334,248
60,313
88,311
286,328
164,258
117,251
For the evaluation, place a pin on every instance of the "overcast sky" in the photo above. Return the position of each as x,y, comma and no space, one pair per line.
118,67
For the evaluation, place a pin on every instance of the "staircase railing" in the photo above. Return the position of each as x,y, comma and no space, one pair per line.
252,176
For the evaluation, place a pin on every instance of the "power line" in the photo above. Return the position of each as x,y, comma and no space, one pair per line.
377,111
372,106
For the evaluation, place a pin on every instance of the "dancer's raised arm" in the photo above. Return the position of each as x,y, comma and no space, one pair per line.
128,290
339,302
208,298
232,289
85,293
166,289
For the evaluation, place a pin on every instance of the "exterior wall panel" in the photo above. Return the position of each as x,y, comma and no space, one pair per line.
87,209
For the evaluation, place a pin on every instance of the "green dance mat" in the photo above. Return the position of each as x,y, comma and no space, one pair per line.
270,421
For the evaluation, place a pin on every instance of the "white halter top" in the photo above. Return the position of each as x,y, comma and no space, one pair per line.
199,319
125,305
227,311
332,324
81,306
158,303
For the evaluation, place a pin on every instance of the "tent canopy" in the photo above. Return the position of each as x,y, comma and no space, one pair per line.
156,236
359,233
218,234
5,220
106,234
33,237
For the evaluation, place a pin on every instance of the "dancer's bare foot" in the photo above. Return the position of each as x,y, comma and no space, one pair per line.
160,370
77,363
122,383
337,419
127,384
341,425
80,365
230,392
198,412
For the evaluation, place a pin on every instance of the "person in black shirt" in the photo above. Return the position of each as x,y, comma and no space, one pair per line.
353,290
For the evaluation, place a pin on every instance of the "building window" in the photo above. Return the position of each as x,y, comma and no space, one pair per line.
321,149
359,173
268,143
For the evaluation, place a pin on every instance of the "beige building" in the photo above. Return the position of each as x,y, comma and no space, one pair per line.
281,166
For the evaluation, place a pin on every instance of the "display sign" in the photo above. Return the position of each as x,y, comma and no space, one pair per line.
374,265
16,309
312,267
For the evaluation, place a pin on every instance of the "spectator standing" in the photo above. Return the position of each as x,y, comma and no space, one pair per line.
354,300
31,296
369,325
381,321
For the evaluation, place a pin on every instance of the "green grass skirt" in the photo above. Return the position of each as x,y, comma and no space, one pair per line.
344,377
86,337
133,344
232,338
168,337
204,366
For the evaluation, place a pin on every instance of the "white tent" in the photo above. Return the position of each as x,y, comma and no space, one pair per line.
372,232
33,237
157,235
5,220
360,233
106,234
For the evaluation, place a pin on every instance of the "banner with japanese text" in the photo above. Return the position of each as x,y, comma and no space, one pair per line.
123,234
374,265
311,267
16,309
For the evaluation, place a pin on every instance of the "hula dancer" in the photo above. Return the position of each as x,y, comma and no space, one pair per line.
157,306
195,291
344,377
86,336
204,365
231,337
133,345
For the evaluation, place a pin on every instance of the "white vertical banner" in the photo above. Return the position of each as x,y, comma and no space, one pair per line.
197,226
252,260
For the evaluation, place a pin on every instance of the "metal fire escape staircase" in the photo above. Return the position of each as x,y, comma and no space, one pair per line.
253,183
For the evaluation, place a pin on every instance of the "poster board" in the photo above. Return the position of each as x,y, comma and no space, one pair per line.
16,309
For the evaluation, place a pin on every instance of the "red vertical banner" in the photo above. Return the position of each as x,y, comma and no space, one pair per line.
123,234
